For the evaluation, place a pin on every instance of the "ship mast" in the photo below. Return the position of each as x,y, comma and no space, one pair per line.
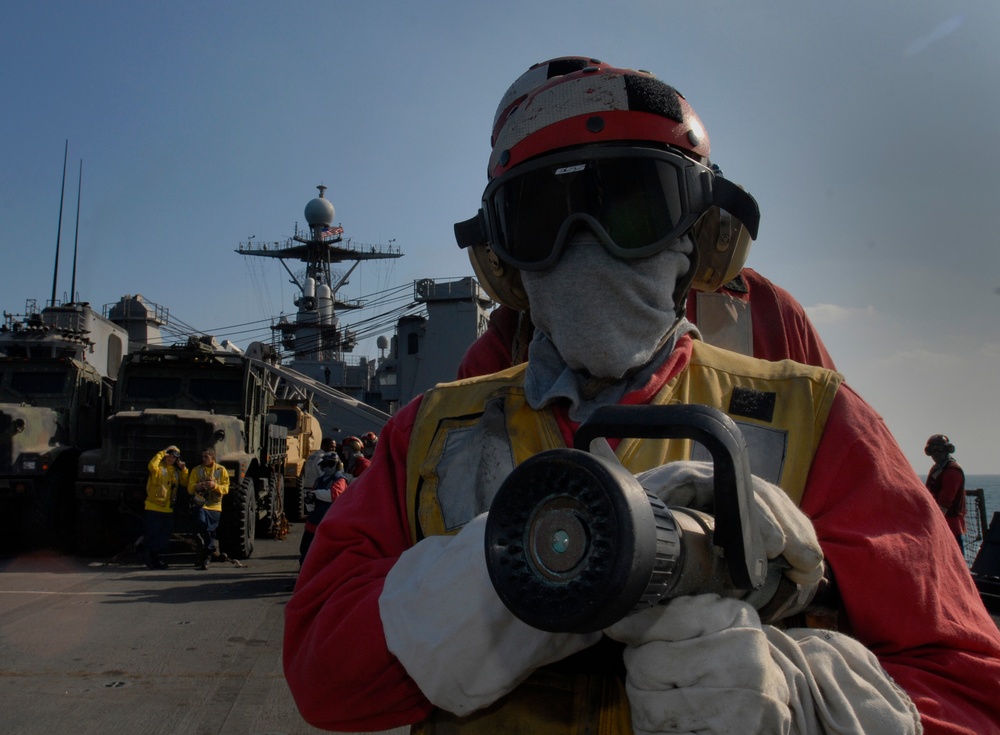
316,334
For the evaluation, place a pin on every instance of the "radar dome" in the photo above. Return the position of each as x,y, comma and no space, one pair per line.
319,211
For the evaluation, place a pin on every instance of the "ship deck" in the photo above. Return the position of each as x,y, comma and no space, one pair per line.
92,646
96,646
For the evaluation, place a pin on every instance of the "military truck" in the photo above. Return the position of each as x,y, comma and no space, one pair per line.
57,368
304,437
195,395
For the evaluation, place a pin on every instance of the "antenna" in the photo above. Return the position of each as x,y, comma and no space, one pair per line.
62,194
76,239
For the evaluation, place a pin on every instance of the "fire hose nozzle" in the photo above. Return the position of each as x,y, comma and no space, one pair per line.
574,543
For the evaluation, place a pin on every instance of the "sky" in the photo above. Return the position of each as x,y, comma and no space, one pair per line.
865,131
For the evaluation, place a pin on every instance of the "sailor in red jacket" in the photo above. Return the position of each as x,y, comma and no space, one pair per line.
394,619
355,462
946,481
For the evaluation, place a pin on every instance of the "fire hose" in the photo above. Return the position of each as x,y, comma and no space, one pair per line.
574,543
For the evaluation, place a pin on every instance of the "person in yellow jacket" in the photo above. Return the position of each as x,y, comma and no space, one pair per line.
207,483
166,472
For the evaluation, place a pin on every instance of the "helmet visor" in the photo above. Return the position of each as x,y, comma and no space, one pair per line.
636,200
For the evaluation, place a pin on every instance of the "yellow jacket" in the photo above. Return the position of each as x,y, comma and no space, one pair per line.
213,497
161,487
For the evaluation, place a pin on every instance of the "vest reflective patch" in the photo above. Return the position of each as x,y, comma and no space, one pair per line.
767,449
474,463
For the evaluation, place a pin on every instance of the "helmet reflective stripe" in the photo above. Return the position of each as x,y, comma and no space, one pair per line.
627,105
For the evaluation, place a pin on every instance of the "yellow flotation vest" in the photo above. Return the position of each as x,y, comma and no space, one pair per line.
469,435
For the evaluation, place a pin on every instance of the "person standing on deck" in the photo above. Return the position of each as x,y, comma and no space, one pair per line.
946,481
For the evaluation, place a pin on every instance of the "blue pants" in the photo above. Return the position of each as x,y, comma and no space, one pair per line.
156,530
207,521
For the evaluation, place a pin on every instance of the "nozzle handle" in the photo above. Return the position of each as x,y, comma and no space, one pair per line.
735,525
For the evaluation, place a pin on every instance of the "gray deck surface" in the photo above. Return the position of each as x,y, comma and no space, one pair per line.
92,646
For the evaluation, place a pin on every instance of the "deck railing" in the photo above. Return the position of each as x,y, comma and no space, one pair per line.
975,523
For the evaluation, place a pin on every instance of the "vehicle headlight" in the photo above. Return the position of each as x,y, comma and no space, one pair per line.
89,469
28,464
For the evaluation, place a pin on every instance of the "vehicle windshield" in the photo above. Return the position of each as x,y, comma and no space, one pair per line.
152,388
286,417
213,392
35,384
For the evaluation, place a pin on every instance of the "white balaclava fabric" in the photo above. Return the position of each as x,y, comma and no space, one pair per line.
606,315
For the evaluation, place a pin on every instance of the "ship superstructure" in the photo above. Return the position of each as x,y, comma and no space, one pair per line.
315,338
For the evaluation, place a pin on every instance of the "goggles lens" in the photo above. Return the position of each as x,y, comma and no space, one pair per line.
637,201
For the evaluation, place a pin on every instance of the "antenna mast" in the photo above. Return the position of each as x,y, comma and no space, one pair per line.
76,239
62,194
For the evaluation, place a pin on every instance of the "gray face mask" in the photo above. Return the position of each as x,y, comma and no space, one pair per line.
606,315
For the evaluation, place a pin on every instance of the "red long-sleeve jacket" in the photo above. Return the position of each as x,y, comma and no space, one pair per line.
948,489
905,590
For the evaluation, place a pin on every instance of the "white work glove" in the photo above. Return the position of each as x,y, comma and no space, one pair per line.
445,623
786,530
705,664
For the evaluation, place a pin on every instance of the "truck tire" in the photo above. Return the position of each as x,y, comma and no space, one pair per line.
280,530
49,513
267,509
238,524
95,531
38,520
295,500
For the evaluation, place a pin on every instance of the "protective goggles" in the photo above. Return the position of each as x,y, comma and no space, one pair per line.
637,201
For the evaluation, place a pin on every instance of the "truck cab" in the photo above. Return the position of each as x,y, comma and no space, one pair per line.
57,369
195,396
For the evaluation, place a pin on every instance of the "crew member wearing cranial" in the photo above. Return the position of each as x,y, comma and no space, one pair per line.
597,180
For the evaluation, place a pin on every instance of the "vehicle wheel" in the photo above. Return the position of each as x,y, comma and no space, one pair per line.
10,534
280,529
238,524
95,532
39,516
49,514
267,511
295,500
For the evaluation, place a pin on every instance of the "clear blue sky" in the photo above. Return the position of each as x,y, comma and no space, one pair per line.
866,132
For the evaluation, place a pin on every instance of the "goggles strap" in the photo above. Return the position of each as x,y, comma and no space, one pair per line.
471,232
730,197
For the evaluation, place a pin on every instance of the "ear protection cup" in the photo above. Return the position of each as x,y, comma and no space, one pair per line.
500,280
939,441
722,244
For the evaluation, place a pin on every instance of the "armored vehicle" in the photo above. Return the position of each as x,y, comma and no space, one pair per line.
196,396
304,436
57,367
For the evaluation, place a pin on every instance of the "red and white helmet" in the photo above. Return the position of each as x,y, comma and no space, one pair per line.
597,104
535,77
571,102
